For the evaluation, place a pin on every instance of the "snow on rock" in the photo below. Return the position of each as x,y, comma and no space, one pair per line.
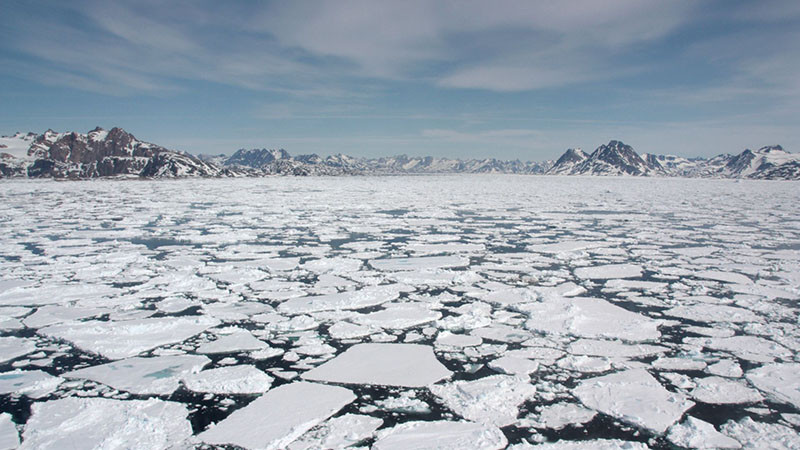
237,342
695,433
441,435
399,317
14,347
758,435
362,298
279,417
609,271
493,400
123,339
779,381
635,397
340,432
240,379
724,391
9,436
385,364
90,423
158,375
589,317
33,383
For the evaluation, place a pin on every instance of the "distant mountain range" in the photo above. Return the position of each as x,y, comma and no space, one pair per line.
117,153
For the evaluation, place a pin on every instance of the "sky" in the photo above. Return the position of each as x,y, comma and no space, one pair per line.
468,79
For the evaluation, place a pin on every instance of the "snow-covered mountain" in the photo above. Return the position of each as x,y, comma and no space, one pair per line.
100,153
115,152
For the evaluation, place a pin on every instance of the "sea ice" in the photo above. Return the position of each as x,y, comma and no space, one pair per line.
448,339
493,400
713,313
594,347
339,432
559,415
14,347
158,375
407,365
725,368
423,263
441,435
758,435
117,340
236,342
590,318
399,317
91,423
593,444
33,383
9,436
779,381
727,277
695,433
724,391
279,417
609,271
751,348
362,298
229,380
514,366
633,396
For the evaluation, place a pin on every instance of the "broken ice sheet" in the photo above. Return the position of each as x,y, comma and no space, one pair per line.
441,435
90,423
9,437
339,432
123,339
158,375
14,347
33,383
724,391
560,415
695,433
780,381
362,298
235,342
609,271
279,417
407,365
635,397
229,380
493,400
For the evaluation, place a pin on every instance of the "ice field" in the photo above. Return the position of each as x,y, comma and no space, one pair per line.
400,312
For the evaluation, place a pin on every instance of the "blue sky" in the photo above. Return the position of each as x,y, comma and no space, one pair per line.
507,79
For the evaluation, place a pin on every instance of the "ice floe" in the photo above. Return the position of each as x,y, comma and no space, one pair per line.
779,381
635,397
229,380
407,365
724,391
609,271
441,435
492,400
9,436
279,417
33,383
339,432
695,433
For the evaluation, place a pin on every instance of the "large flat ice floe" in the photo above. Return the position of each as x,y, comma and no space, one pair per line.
229,380
279,417
362,298
492,400
609,271
407,365
634,396
779,381
92,423
590,318
441,435
159,375
123,339
33,383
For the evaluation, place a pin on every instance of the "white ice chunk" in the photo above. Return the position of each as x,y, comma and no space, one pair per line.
448,339
695,433
592,444
635,397
399,317
424,263
279,417
727,277
751,348
609,271
158,375
363,298
52,314
713,313
9,436
339,432
593,347
229,380
584,364
346,330
559,415
758,435
441,435
726,368
779,381
33,383
492,400
91,423
408,365
513,365
566,246
117,340
589,317
678,364
239,341
14,347
724,391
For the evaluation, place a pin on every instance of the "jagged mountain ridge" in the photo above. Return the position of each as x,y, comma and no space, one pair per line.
115,152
